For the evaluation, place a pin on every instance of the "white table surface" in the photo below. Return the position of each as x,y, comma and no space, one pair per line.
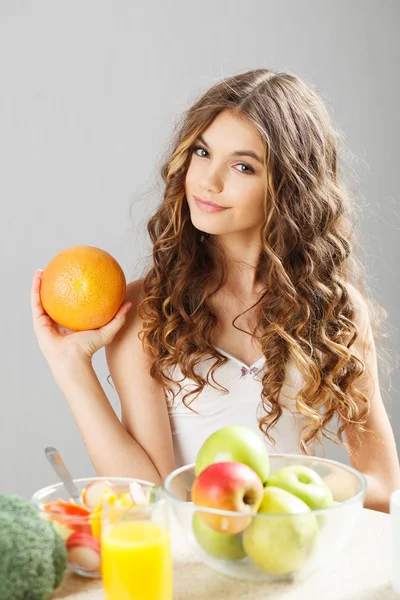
361,572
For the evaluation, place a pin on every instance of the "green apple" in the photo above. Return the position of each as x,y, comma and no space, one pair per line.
238,444
305,483
280,545
219,545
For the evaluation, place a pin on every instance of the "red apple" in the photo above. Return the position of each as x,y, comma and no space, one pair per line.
229,486
84,551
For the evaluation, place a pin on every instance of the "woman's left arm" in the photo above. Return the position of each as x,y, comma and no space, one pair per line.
374,455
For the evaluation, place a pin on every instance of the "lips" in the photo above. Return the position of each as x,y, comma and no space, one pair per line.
203,201
207,206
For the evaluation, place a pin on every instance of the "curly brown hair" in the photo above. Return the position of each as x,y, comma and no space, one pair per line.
307,263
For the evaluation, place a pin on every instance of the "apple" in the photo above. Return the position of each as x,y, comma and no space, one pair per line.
305,483
235,443
62,529
92,495
84,551
219,545
137,494
230,486
280,545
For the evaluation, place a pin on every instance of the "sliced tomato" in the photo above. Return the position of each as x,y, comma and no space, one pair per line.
69,510
62,507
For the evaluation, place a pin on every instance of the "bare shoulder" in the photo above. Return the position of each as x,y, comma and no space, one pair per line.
127,337
360,306
357,299
361,319
135,292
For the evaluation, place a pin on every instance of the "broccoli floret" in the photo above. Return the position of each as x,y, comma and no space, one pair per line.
60,558
33,556
17,506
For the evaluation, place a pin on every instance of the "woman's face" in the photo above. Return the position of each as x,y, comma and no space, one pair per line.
222,172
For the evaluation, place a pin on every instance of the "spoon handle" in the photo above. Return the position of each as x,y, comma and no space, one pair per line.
54,458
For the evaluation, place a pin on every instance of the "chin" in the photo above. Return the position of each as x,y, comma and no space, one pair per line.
210,228
210,224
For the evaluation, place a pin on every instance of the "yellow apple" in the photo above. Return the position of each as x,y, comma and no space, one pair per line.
283,535
219,545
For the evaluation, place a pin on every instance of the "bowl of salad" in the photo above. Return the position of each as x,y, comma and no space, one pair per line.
79,524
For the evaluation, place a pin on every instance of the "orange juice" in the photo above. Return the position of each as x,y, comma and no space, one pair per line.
136,561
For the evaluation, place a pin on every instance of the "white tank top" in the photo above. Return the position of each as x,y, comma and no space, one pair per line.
241,406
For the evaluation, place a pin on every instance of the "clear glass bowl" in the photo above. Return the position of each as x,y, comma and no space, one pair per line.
281,546
81,533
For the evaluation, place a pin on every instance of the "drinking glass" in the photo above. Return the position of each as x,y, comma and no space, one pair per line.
136,550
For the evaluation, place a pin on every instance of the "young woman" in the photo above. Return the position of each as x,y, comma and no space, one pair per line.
253,310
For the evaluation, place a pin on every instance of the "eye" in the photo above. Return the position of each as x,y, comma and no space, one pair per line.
249,170
195,148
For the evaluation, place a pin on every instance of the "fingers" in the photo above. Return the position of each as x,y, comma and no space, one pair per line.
123,310
109,330
36,304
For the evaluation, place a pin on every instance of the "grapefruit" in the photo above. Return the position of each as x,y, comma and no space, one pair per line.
82,288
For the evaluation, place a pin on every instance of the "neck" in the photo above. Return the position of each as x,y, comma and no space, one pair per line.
242,256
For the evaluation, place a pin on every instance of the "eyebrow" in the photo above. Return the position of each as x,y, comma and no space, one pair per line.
237,152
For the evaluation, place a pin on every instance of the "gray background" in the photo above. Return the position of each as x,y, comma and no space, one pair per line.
90,93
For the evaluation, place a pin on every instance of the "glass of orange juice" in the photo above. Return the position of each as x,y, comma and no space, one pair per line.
135,545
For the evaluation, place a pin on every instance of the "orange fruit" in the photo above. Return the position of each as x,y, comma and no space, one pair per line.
82,288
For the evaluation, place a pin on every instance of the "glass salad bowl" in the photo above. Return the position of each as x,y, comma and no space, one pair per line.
80,524
284,540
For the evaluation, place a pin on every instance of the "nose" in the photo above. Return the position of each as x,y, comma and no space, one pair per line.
211,181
